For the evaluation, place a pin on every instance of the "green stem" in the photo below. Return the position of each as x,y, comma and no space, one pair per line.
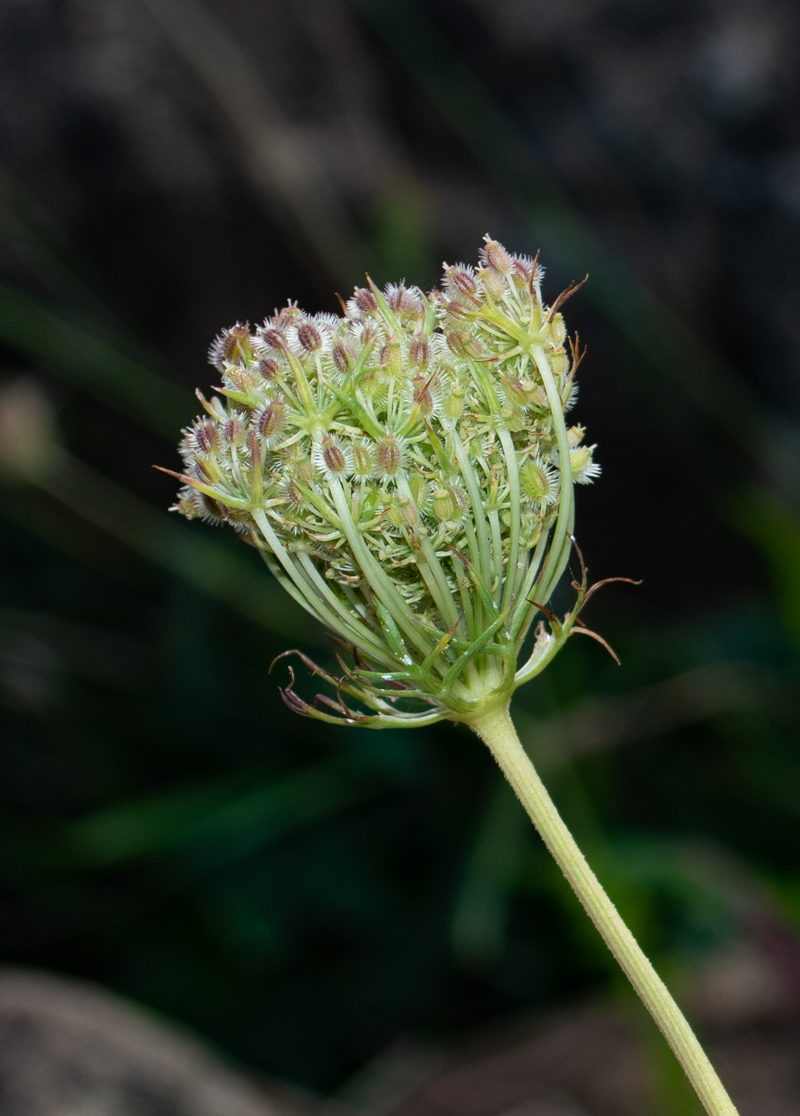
497,731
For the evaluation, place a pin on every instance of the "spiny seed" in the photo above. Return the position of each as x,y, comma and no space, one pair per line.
463,282
397,298
419,489
233,431
408,511
443,504
242,380
559,362
462,343
363,458
496,257
454,403
212,508
334,458
491,282
309,338
275,339
202,472
366,301
580,457
389,455
391,358
515,390
305,471
272,419
419,351
268,368
340,356
206,435
293,494
237,342
422,395
402,513
229,346
521,272
534,480
558,330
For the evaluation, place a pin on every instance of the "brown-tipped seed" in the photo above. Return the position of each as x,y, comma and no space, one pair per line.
419,352
388,455
396,298
462,343
408,511
206,435
203,473
272,419
212,509
233,431
236,347
391,358
340,356
496,257
366,301
522,272
462,282
491,282
422,395
268,368
334,458
309,338
293,494
275,339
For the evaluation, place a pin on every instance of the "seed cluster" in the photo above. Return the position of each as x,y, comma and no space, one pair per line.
403,459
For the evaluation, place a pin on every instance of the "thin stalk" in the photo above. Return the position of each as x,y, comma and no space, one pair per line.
497,731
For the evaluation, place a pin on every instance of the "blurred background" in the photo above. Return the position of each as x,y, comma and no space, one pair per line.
308,898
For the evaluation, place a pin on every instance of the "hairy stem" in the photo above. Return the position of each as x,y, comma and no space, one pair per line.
497,731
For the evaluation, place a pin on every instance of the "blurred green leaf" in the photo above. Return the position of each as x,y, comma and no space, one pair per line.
92,359
231,817
774,528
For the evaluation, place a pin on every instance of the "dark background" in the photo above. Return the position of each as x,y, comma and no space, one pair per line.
302,894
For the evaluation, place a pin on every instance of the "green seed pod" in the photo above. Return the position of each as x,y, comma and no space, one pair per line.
443,504
454,403
535,481
558,330
559,362
418,489
363,459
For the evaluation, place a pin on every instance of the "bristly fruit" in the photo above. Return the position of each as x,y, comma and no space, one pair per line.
407,473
